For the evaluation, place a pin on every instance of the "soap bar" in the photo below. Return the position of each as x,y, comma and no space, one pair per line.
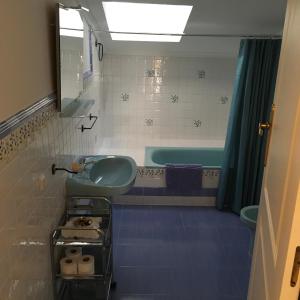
76,167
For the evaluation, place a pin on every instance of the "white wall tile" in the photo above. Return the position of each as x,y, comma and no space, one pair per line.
27,212
151,81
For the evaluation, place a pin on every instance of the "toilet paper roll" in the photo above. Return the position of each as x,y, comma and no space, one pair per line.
68,266
74,252
86,265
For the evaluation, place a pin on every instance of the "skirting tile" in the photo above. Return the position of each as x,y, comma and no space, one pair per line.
166,200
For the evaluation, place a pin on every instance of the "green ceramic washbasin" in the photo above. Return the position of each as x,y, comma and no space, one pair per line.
103,175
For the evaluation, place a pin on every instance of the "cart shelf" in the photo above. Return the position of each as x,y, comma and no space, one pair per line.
80,286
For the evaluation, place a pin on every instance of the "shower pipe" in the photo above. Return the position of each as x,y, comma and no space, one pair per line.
249,36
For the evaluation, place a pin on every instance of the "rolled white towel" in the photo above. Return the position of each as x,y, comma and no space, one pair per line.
77,227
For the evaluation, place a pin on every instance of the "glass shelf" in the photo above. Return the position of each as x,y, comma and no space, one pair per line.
85,289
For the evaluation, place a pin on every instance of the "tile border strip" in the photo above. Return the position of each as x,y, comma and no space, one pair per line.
7,126
165,191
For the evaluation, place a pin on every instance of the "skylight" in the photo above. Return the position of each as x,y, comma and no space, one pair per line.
125,18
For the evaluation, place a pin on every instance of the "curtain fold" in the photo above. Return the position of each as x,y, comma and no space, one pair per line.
242,168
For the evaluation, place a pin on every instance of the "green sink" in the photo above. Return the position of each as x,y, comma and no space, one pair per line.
103,175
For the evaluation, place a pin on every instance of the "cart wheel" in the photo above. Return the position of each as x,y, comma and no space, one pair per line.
113,285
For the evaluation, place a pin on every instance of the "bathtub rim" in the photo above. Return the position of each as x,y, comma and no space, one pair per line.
150,149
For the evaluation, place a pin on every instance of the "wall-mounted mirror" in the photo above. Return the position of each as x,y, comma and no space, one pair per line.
74,58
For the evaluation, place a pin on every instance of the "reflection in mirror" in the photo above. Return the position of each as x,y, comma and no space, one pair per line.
71,54
75,59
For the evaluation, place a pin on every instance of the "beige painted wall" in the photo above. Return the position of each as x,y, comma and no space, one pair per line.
27,53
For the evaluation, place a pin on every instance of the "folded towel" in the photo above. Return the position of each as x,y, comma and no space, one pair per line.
183,177
82,227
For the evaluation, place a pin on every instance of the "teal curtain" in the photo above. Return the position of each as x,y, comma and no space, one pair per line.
242,168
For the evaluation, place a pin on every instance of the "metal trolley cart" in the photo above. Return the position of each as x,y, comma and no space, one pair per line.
97,285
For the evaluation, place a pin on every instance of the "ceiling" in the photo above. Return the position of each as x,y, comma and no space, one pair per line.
207,17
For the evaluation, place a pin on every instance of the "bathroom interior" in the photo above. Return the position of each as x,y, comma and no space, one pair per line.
148,98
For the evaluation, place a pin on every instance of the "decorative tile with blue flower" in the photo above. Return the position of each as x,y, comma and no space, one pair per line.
149,122
224,99
197,123
124,97
174,98
201,74
150,73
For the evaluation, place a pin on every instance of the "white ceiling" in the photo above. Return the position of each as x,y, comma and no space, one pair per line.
207,17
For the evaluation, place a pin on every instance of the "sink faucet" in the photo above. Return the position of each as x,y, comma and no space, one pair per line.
54,169
84,162
76,167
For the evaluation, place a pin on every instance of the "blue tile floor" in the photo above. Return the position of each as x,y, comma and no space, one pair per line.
179,253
